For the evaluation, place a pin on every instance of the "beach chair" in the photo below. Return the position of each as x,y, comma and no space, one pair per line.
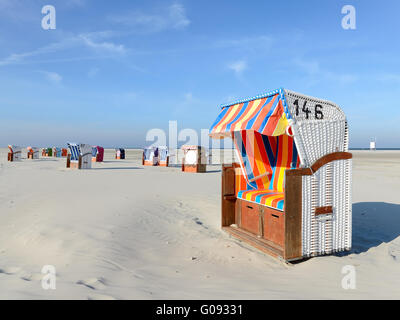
97,154
56,152
80,156
120,153
14,153
290,195
49,152
148,158
64,152
194,159
163,155
33,153
155,156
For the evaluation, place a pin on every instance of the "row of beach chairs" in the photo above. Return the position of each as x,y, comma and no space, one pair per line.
80,156
194,159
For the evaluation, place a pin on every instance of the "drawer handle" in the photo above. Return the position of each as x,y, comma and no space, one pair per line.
249,207
323,210
275,216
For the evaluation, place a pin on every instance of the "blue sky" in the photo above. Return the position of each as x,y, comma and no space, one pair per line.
112,70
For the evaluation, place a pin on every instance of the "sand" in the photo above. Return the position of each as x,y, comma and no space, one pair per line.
123,231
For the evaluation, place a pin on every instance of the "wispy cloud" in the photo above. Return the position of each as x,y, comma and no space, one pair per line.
94,41
389,77
171,17
251,43
53,77
93,72
316,73
238,66
89,40
75,3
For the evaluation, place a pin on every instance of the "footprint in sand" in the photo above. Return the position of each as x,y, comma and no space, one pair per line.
32,277
10,270
93,283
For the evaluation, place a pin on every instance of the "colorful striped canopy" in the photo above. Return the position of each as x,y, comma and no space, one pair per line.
266,114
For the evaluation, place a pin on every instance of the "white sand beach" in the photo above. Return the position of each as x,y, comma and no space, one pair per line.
123,231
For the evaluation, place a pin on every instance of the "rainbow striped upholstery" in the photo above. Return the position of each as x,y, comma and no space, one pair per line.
267,198
264,160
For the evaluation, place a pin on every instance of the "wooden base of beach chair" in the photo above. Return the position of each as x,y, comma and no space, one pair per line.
196,168
74,164
164,163
272,231
275,232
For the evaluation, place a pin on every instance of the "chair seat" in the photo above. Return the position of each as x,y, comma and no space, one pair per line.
265,197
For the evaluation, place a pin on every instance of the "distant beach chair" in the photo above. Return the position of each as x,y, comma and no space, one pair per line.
49,152
148,158
14,153
97,154
120,153
155,156
163,155
80,156
290,196
64,152
56,152
194,159
33,153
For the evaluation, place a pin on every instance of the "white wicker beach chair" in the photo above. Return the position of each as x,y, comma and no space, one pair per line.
290,196
79,156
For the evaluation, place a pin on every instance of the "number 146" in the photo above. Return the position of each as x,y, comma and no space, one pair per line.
317,110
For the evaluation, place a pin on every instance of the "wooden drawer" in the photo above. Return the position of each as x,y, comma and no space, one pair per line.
274,226
250,219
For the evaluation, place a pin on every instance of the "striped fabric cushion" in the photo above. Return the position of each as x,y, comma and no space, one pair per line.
269,198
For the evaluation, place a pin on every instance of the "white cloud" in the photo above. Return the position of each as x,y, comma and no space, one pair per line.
177,14
238,66
92,40
188,96
316,73
93,72
261,42
89,41
172,17
75,3
53,76
389,77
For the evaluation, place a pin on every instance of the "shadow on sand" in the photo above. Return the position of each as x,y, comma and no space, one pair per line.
373,224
